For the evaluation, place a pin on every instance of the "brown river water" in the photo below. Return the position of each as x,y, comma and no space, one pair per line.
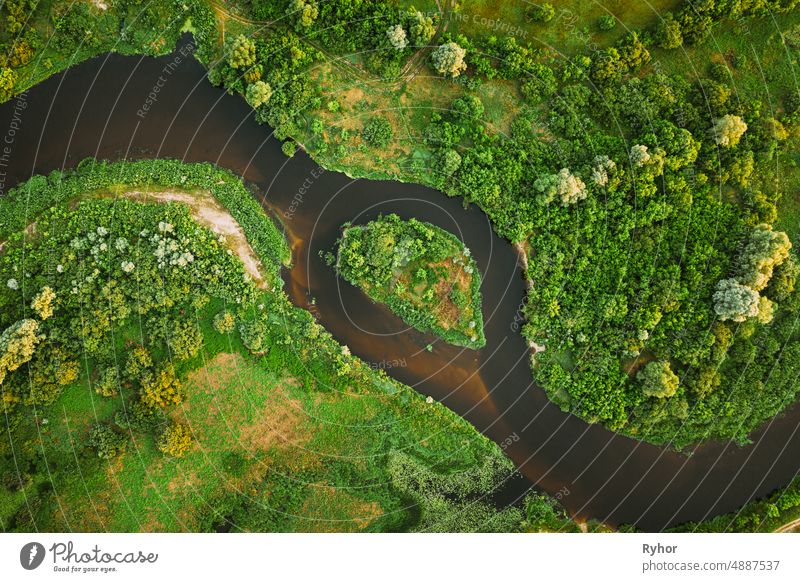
96,109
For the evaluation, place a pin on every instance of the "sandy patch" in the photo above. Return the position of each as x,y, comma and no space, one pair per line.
207,211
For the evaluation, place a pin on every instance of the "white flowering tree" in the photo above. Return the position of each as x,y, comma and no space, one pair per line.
397,37
448,59
728,130
734,301
564,185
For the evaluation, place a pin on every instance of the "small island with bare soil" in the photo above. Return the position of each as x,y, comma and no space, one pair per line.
422,273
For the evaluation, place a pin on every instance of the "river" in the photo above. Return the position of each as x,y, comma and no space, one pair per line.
105,108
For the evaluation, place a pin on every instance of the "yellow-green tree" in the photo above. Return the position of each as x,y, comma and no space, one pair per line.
175,441
17,345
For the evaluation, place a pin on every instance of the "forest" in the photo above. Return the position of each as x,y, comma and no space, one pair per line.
421,272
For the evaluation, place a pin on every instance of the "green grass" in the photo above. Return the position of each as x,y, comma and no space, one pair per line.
572,30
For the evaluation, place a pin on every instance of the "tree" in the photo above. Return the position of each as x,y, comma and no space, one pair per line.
542,12
735,301
378,132
107,442
448,59
449,162
602,167
108,382
421,27
765,249
288,148
606,22
728,130
163,389
258,94
658,380
564,185
668,32
241,52
138,364
17,345
224,322
397,37
255,336
175,441
304,12
184,339
42,304
8,77
639,155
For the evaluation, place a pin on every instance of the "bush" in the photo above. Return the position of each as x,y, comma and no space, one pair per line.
255,336
288,148
106,441
163,390
606,22
542,12
224,322
378,132
175,441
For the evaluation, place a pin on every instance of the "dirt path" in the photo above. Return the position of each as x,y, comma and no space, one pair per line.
789,527
409,71
206,210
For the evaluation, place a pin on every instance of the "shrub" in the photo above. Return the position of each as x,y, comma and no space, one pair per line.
163,389
542,12
255,336
288,148
175,441
378,132
224,322
8,77
106,441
